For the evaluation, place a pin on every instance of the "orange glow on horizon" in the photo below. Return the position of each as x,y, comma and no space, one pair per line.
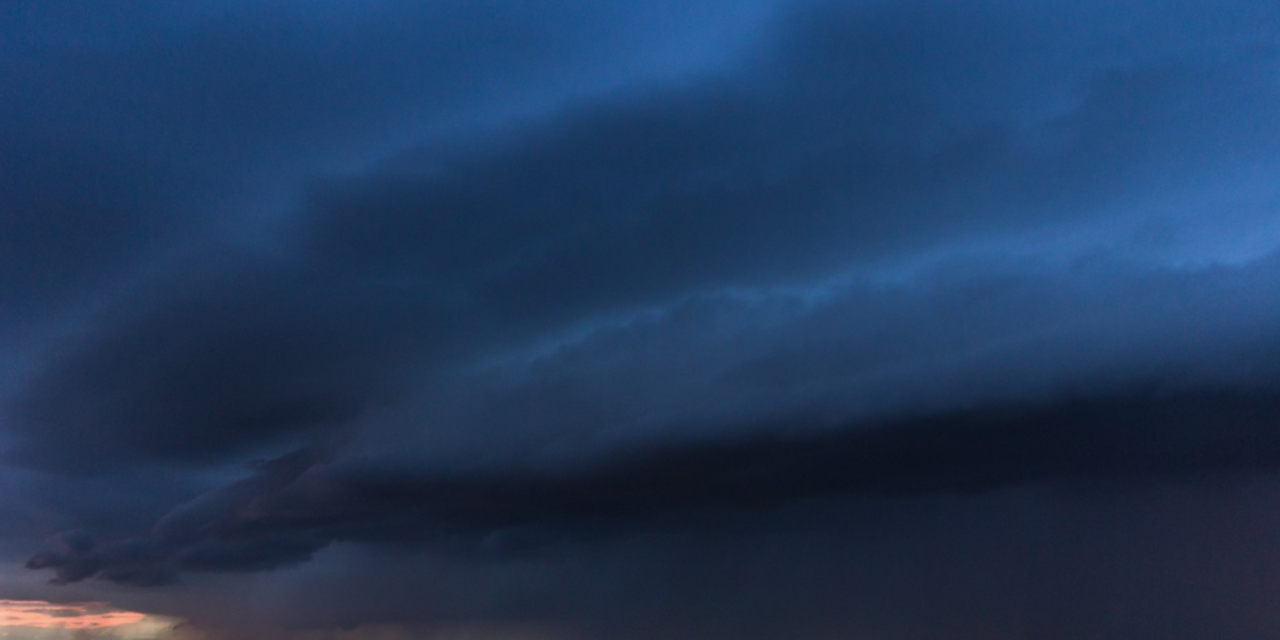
80,615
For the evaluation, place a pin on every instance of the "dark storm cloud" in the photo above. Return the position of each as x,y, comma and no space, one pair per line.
623,280
964,336
193,368
129,124
1149,433
200,83
1013,346
296,505
197,533
642,198
628,201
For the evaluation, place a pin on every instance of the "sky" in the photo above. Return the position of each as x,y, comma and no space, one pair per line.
578,320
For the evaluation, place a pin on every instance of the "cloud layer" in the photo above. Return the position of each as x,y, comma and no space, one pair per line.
694,300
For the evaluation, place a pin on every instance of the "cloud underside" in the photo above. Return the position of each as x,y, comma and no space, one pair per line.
297,504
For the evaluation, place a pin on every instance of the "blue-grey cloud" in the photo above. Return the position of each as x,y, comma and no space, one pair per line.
538,296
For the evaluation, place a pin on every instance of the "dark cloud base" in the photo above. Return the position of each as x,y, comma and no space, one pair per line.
295,505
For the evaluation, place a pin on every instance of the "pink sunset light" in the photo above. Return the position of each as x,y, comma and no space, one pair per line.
45,615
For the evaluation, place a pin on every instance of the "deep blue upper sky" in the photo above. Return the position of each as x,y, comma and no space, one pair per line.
639,319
